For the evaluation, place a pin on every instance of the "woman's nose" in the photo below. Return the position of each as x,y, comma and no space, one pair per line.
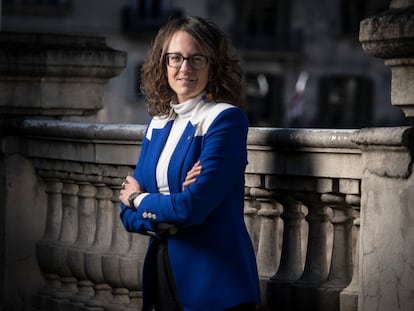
185,66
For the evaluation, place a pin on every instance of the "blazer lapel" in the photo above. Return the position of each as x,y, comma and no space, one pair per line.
158,140
177,159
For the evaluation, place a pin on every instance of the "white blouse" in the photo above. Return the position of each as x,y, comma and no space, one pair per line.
183,113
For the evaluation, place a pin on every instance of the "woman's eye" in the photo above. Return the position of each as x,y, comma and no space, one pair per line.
176,59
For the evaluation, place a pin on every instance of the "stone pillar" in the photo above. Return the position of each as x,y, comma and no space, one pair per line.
386,260
390,36
41,76
54,75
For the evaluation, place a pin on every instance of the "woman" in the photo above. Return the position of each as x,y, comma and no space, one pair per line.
187,190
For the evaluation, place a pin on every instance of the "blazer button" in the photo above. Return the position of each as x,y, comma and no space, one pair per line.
149,215
144,215
172,230
151,233
154,216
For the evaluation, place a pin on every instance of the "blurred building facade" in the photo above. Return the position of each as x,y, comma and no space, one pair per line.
303,62
342,197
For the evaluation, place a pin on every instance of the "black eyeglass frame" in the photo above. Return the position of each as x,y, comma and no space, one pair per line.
189,59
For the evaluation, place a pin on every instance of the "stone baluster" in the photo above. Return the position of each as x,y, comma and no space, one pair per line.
304,290
44,247
268,249
131,265
86,234
101,243
68,234
349,296
340,271
250,219
291,262
110,260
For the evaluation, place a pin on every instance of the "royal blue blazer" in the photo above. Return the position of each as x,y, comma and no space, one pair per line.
211,254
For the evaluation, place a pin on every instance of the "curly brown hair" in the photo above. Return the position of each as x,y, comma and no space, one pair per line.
226,81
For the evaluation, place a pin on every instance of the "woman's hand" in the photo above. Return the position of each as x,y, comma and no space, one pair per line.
129,186
192,174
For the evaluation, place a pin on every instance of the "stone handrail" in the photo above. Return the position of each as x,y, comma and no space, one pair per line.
303,191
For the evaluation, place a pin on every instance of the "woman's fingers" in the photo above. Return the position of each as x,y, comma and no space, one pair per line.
192,174
129,186
188,182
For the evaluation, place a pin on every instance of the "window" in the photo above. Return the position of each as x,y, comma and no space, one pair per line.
345,101
36,7
147,16
264,98
262,25
354,11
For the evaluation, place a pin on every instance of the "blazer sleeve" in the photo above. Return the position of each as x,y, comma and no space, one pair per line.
223,158
127,215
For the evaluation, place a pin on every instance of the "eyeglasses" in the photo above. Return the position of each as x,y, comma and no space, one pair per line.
176,60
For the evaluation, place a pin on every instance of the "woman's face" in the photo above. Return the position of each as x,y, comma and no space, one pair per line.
186,81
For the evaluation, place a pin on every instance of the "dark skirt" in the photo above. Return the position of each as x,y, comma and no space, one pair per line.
166,295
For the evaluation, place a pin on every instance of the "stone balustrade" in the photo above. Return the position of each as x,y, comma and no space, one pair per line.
306,188
303,191
89,261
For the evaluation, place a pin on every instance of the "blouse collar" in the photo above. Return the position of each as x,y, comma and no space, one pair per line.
185,109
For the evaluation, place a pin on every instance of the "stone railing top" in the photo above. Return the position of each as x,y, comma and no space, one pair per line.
101,143
385,136
81,142
401,3
393,146
82,130
273,137
321,153
285,137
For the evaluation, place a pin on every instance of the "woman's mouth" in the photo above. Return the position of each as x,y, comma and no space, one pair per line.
185,79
